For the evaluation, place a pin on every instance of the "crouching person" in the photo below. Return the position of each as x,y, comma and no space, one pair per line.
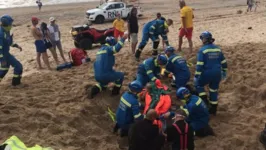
129,109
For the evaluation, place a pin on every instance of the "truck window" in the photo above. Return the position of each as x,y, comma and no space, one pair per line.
112,6
121,5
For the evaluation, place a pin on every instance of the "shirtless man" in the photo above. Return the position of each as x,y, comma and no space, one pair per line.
39,43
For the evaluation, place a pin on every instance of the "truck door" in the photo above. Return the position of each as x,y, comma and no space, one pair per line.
111,13
120,9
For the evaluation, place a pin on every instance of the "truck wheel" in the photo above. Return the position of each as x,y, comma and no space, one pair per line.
99,19
85,44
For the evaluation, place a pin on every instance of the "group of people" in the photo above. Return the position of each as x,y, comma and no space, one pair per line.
193,115
252,4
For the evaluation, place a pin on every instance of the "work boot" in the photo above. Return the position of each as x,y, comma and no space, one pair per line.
94,91
155,53
137,54
16,81
213,109
116,90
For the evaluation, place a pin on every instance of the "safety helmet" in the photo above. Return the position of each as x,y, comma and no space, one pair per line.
169,49
162,59
206,35
6,20
181,92
135,86
110,40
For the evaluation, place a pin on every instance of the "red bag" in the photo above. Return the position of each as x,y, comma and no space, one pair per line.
77,55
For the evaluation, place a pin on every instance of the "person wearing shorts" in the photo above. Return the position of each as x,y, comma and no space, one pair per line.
186,14
119,27
133,28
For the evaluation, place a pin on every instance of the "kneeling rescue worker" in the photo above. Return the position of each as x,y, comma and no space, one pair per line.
6,59
150,69
197,111
152,30
129,109
211,68
103,67
178,66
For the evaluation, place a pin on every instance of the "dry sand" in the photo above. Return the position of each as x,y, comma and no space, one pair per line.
53,109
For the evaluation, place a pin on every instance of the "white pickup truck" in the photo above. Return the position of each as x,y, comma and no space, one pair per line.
108,11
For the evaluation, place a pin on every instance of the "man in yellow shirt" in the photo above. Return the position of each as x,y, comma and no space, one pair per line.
119,27
186,14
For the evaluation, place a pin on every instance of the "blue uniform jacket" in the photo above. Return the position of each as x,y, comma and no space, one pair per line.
156,28
178,66
198,114
210,58
6,40
128,110
150,68
105,58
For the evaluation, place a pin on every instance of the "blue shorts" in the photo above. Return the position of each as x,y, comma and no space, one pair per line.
40,46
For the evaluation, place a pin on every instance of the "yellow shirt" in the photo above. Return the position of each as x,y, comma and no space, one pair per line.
119,24
187,13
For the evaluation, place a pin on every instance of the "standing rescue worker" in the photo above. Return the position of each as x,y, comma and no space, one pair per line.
129,108
6,59
178,66
197,111
103,67
152,30
211,68
150,69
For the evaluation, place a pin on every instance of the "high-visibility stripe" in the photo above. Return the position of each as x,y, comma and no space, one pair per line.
200,63
165,25
211,50
214,102
202,94
225,69
15,144
175,58
4,69
1,47
156,40
117,85
144,62
186,111
138,115
125,102
153,79
212,90
16,76
107,44
101,52
149,71
114,50
198,101
151,32
99,86
224,61
121,43
153,27
198,73
1,55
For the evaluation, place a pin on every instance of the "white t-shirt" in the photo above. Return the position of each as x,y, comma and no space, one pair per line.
54,33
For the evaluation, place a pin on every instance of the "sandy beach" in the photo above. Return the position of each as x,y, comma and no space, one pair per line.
53,110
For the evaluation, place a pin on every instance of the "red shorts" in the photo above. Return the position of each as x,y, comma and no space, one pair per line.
188,34
118,33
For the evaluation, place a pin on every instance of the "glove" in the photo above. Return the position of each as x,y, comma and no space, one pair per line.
196,80
224,74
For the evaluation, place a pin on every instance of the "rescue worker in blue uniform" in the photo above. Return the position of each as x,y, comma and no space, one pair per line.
197,111
129,109
150,69
211,68
6,59
178,66
152,30
103,67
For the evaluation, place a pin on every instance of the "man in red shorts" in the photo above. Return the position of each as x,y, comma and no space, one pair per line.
186,29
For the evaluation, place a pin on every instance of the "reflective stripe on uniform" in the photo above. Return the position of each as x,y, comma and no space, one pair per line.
1,55
114,50
214,102
186,111
149,71
212,90
99,86
202,94
224,61
1,47
4,68
200,63
153,79
121,43
117,85
225,69
198,101
15,143
101,52
153,27
16,76
138,115
198,73
151,32
175,58
211,50
125,102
